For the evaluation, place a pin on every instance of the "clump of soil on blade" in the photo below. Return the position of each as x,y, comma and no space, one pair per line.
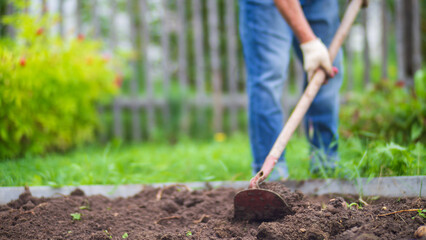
176,212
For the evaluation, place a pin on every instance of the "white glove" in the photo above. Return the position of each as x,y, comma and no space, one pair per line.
315,55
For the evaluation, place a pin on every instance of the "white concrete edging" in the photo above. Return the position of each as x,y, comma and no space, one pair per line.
412,186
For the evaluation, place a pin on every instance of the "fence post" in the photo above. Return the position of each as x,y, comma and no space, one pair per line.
349,66
118,121
286,98
79,22
116,108
112,27
96,34
384,40
299,75
416,39
215,66
44,7
26,8
61,21
197,22
408,40
149,88
232,62
134,86
366,53
182,63
95,19
400,39
244,79
165,44
10,9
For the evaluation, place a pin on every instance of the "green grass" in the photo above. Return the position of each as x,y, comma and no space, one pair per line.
185,161
364,158
189,161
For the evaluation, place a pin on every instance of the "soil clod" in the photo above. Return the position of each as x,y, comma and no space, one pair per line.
77,192
420,232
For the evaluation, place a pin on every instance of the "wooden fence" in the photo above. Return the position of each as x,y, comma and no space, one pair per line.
189,52
205,88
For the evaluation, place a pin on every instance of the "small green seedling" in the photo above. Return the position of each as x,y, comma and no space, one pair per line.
125,235
108,234
421,213
85,205
354,204
189,233
69,232
75,216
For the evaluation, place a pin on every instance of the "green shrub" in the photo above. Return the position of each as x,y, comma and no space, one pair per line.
49,88
387,111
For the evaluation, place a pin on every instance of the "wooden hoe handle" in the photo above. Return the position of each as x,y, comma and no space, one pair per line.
307,97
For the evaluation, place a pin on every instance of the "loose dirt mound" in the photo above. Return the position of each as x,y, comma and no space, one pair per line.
177,213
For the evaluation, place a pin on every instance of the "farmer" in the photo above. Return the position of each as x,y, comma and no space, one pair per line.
268,30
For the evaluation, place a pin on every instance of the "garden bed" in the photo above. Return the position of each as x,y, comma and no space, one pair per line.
177,212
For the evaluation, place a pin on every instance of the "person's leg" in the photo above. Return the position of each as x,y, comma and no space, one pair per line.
266,40
321,120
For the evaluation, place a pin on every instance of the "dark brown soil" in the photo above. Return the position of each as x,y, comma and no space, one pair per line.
177,213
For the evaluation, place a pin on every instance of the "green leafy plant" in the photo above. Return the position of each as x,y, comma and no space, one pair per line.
85,206
108,234
50,88
421,213
358,206
378,159
388,111
76,216
188,233
125,235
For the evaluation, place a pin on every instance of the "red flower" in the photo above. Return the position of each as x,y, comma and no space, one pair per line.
400,84
80,37
39,31
118,81
23,61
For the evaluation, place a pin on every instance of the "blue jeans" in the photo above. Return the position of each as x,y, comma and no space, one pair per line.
267,40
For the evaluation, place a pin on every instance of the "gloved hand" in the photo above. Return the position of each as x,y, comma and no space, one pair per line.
315,55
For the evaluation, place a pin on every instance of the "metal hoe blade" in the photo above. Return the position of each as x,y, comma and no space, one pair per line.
259,205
